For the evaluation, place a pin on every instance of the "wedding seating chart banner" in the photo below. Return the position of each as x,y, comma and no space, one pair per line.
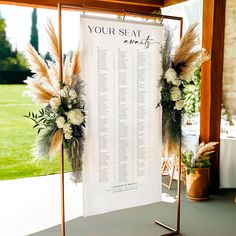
121,66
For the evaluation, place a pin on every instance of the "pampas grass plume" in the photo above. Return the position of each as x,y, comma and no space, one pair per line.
56,142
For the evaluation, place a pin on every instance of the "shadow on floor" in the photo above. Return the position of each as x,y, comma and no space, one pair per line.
216,217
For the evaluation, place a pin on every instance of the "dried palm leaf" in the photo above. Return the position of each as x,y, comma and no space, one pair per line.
39,67
205,56
191,63
67,76
36,88
75,68
56,141
187,54
35,83
209,152
187,44
42,143
37,97
36,63
53,41
41,99
205,149
54,75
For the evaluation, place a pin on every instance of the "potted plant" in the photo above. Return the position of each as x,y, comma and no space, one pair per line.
197,171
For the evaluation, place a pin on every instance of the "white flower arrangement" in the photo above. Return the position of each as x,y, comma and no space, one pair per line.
177,67
170,75
64,91
177,82
179,105
67,128
75,116
175,94
60,121
62,118
65,111
72,94
68,135
55,102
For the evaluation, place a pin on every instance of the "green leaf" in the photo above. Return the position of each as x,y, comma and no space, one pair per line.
35,125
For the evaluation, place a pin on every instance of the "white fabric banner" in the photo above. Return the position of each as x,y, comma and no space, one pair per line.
121,65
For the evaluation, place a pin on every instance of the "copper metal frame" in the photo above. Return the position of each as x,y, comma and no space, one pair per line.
82,8
62,148
177,230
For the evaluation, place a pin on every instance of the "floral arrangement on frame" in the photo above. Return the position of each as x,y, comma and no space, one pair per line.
176,70
62,117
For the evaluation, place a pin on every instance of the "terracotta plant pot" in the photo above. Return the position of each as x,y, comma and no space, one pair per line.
197,185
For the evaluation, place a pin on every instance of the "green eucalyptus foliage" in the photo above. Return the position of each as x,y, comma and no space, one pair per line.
46,118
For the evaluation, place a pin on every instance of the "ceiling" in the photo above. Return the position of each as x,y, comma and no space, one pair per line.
144,6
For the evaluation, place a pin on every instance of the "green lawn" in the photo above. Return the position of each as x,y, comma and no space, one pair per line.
17,137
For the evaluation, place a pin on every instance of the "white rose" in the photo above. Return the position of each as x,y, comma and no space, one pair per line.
75,116
55,102
67,128
60,121
64,91
72,94
179,105
170,75
68,135
175,94
176,82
